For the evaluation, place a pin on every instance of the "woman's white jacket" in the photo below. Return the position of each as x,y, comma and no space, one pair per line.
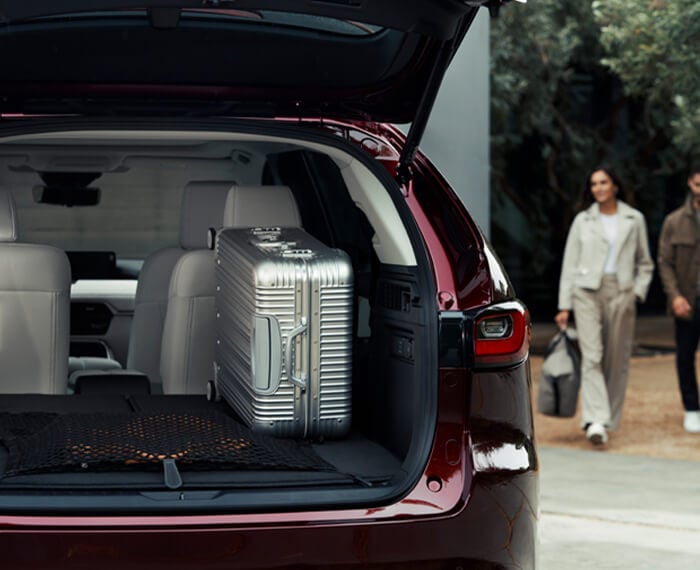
587,249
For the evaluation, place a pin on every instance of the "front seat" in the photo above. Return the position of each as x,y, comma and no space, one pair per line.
202,208
34,311
189,334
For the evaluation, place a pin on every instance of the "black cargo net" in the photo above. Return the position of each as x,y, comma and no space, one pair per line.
46,443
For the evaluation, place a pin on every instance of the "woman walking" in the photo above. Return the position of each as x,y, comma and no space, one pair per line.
606,269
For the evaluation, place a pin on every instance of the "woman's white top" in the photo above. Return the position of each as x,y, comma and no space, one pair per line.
610,227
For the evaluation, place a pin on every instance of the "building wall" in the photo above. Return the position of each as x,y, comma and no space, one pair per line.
457,135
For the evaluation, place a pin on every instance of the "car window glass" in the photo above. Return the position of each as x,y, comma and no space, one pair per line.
132,219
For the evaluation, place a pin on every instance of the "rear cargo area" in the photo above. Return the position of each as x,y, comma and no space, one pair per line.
165,442
141,440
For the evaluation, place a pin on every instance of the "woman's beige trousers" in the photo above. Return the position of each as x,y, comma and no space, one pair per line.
605,323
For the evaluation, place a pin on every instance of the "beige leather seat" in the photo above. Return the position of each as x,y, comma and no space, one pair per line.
253,206
189,334
202,208
34,311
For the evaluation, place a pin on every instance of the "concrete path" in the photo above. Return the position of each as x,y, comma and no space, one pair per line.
601,510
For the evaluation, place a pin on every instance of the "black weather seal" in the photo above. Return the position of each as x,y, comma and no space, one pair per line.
164,18
171,474
361,480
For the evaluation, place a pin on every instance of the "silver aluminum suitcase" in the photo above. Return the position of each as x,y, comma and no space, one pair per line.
284,331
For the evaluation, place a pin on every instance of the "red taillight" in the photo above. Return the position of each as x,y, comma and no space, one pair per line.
501,338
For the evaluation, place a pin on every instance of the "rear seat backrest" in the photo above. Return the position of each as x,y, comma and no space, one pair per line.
202,208
252,206
34,311
189,334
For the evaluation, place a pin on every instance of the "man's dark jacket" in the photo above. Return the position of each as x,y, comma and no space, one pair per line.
679,253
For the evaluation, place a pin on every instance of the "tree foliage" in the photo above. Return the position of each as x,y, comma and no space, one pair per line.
535,52
652,46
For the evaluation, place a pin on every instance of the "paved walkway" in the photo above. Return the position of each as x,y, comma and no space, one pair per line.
602,510
606,510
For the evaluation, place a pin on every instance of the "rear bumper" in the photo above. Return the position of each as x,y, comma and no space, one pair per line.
497,529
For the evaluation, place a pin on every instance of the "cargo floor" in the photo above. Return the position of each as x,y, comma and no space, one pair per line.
117,441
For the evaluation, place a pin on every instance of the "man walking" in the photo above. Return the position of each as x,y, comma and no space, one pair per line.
679,268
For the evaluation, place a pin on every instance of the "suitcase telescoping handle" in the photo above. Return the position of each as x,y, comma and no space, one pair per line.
290,355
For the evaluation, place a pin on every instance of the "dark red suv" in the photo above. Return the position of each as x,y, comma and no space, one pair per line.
132,138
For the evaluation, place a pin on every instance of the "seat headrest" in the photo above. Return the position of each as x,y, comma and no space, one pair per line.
8,217
202,208
250,206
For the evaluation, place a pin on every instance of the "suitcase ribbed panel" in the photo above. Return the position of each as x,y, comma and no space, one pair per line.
252,281
335,330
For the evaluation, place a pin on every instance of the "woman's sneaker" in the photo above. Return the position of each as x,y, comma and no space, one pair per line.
691,422
596,434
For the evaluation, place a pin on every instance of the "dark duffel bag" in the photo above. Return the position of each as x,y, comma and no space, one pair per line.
560,379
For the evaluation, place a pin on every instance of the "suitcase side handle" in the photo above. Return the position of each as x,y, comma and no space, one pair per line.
290,355
266,344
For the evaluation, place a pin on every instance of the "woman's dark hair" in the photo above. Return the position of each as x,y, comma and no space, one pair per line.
694,168
586,195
